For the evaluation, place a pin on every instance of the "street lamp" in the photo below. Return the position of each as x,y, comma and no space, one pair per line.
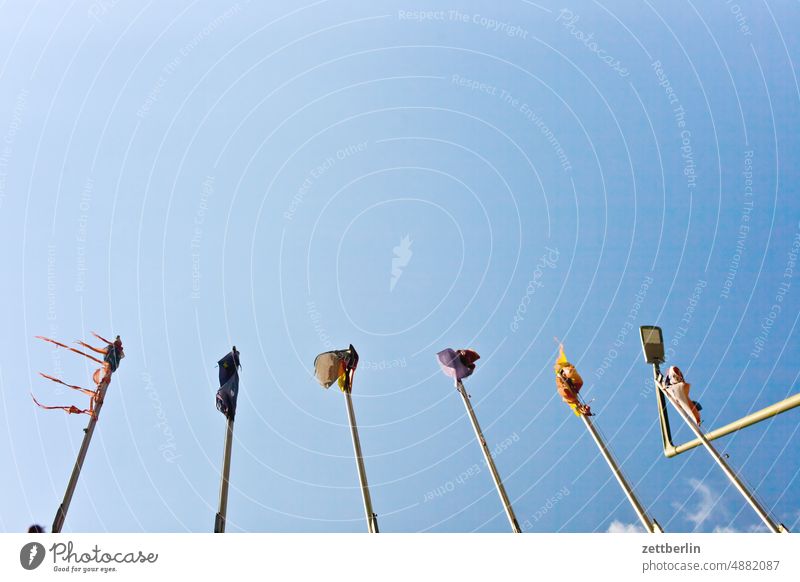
652,344
653,348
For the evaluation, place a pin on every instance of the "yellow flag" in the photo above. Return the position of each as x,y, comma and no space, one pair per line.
562,359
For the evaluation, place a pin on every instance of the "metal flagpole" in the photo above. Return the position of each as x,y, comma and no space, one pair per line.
219,522
487,455
372,518
61,514
651,526
762,513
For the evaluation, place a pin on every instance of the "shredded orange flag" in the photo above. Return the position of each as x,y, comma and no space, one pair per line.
68,409
103,351
86,391
59,344
94,349
100,377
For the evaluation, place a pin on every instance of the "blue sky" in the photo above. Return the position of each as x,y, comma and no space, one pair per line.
199,175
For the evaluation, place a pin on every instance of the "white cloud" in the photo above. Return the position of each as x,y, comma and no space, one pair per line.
704,507
754,528
619,527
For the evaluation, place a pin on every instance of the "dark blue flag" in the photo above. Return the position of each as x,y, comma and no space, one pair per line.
228,383
114,354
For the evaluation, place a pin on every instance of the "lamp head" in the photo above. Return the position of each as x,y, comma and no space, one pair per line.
652,344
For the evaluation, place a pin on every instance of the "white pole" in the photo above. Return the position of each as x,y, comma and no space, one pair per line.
61,514
487,455
762,513
372,518
222,514
651,526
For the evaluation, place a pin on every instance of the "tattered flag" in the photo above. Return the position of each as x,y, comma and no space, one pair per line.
679,389
112,354
228,383
336,366
569,384
458,364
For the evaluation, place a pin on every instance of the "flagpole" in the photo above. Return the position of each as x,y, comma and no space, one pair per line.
762,513
487,455
651,526
372,518
61,514
219,522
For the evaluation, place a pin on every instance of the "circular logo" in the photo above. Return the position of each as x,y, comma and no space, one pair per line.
31,555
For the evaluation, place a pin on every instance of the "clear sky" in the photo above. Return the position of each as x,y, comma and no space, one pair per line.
404,176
